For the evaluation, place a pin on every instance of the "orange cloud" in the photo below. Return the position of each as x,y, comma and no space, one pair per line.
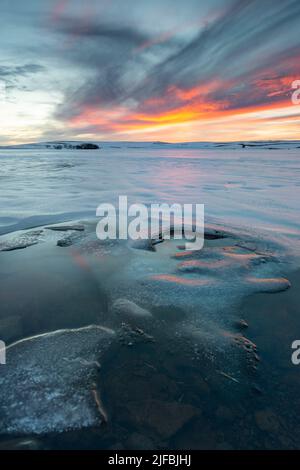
195,108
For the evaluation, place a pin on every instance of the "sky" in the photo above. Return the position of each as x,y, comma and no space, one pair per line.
144,70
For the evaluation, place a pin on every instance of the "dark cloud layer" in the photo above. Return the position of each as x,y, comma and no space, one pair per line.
20,70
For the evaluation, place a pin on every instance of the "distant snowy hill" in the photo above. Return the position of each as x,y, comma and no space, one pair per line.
97,145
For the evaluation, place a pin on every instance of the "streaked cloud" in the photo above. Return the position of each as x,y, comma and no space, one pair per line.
166,70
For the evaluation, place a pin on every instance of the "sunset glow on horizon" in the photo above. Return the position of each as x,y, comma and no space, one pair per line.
217,72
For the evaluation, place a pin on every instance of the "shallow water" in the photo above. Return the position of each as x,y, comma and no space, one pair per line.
241,187
180,369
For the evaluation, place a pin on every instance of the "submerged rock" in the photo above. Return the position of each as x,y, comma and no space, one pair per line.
242,324
65,228
213,234
69,240
47,384
129,310
143,244
64,242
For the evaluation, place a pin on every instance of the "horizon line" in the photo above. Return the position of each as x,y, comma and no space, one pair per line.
152,142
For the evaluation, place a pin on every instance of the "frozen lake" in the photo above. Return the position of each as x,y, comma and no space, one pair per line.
258,189
151,342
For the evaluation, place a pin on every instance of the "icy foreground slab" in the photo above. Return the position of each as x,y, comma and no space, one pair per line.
158,302
47,384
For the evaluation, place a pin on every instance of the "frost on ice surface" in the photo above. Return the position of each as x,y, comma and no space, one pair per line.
47,383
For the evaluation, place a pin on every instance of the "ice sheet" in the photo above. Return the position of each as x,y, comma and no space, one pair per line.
251,187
